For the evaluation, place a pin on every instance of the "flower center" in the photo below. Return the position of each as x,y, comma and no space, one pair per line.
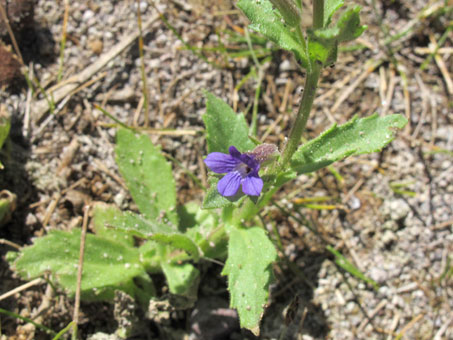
243,169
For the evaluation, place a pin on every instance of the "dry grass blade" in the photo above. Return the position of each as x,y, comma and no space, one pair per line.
9,243
75,318
21,288
42,106
441,64
63,39
11,34
408,326
369,68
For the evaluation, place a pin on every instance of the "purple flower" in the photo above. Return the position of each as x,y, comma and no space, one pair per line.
241,169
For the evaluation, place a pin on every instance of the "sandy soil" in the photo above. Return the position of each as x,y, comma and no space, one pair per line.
390,213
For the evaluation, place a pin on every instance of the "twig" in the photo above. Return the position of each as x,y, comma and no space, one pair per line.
28,104
443,329
142,66
79,272
442,225
408,326
11,34
390,91
50,209
441,64
9,243
372,314
21,288
101,166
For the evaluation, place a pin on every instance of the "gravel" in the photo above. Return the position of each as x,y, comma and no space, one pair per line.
401,241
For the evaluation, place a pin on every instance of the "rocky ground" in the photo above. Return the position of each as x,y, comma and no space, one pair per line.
389,213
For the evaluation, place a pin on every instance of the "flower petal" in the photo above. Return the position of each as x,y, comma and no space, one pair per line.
250,162
252,185
229,184
234,152
220,162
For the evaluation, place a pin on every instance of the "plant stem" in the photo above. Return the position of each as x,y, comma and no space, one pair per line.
318,14
311,83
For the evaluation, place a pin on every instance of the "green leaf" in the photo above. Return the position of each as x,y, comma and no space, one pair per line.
104,219
356,137
249,270
323,42
108,265
7,206
224,127
213,199
289,11
323,45
5,126
178,241
267,21
203,227
148,176
181,278
118,226
330,7
348,25
150,258
343,262
112,223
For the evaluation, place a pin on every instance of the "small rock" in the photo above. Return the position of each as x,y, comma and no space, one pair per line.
388,237
396,210
390,225
378,274
354,203
87,15
103,336
96,46
285,65
31,219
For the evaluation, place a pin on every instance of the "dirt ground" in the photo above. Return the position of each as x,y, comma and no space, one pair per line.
389,213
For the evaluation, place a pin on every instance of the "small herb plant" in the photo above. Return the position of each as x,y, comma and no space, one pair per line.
243,178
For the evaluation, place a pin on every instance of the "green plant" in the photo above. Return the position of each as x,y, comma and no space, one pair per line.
173,239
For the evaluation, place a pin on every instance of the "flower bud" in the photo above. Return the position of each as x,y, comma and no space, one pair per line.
264,153
288,10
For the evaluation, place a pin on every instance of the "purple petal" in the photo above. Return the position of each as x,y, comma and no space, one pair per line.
250,161
252,185
234,152
229,184
220,162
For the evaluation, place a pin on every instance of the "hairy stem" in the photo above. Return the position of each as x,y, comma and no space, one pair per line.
311,83
318,14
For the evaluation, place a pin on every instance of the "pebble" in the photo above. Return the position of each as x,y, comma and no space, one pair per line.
87,15
395,209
